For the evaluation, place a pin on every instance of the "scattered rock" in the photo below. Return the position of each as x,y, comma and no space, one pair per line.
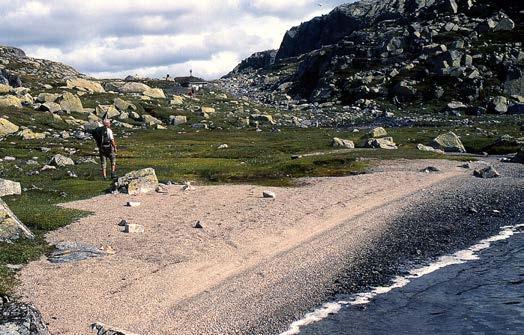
381,143
11,228
223,146
519,157
28,134
60,161
187,186
133,204
423,147
122,223
487,172
156,93
161,188
137,182
430,169
341,143
133,228
269,194
102,329
123,105
498,105
73,252
176,120
177,100
10,101
70,102
449,142
8,187
198,225
207,110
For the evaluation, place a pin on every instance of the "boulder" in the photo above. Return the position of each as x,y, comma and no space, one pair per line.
73,252
269,194
150,120
106,111
448,142
6,127
137,182
60,161
52,107
505,24
11,228
341,143
498,105
70,102
423,147
381,143
18,318
264,118
8,187
85,85
47,97
10,101
123,105
28,134
207,110
133,87
177,100
156,93
487,172
177,119
378,132
5,88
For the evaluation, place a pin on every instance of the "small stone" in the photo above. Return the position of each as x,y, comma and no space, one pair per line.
487,172
223,146
472,210
133,204
269,194
430,169
133,228
123,223
198,225
162,189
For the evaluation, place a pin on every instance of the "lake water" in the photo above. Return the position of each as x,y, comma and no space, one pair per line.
479,290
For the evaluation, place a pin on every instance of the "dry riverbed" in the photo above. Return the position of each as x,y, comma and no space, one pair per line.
257,263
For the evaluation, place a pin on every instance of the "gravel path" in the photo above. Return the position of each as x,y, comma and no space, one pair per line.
260,263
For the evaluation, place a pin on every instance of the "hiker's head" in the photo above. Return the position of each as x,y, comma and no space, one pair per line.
107,123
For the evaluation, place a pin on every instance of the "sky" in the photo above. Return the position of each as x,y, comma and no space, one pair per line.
116,38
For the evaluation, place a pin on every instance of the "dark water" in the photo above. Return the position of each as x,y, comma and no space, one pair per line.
484,296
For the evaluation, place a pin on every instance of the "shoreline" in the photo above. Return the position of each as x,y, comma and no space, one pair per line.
259,284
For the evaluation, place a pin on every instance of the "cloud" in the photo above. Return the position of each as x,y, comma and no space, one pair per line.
151,38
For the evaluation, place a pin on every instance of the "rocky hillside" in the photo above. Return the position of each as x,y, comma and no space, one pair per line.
455,56
16,68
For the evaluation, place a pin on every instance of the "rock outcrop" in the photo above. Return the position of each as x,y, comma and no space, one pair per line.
11,228
17,318
137,182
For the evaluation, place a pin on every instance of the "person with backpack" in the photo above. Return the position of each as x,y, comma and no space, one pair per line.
105,141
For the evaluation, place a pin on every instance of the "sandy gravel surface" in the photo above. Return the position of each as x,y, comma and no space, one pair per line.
257,262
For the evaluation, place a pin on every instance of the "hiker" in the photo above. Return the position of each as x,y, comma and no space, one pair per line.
106,146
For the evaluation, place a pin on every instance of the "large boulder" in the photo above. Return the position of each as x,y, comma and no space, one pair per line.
61,161
10,101
487,172
378,132
123,105
157,93
137,182
381,143
8,187
6,127
498,105
133,87
448,142
70,102
11,228
107,111
85,85
341,143
176,120
150,120
47,97
17,318
52,107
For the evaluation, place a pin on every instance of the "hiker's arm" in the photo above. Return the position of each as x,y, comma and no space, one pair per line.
113,143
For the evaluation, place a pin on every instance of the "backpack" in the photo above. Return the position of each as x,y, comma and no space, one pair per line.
102,139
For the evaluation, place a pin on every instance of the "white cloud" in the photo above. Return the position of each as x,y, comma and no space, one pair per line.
152,38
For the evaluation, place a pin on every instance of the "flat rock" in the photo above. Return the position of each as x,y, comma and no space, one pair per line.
73,252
